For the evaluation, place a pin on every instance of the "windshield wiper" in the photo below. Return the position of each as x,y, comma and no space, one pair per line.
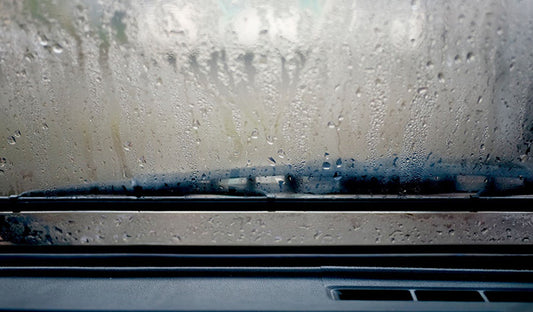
344,177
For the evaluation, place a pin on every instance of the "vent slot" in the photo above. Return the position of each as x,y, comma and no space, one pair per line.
449,295
442,295
509,296
373,294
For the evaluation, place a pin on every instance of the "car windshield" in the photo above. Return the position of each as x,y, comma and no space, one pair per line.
278,99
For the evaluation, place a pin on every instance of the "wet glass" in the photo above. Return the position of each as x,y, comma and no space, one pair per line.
265,100
100,91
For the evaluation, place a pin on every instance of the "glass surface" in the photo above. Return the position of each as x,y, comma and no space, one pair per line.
322,92
266,99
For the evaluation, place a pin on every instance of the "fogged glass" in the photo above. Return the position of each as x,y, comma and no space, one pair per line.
96,91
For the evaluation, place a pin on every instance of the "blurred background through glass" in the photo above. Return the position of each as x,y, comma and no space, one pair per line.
95,91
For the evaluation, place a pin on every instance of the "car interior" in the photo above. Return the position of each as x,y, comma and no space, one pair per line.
243,155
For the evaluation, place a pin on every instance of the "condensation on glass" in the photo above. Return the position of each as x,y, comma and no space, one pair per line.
266,228
95,91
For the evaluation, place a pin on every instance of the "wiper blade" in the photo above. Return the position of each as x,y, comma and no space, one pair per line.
236,182
136,188
377,178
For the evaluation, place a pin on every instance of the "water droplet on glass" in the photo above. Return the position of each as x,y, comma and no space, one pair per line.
479,100
358,92
29,56
281,153
469,56
326,165
3,162
142,161
269,140
440,76
57,48
272,161
17,134
127,146
422,90
11,140
195,124
43,40
255,134
331,125
338,163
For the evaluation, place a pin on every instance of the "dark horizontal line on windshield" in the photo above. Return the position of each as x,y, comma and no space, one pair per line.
441,202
